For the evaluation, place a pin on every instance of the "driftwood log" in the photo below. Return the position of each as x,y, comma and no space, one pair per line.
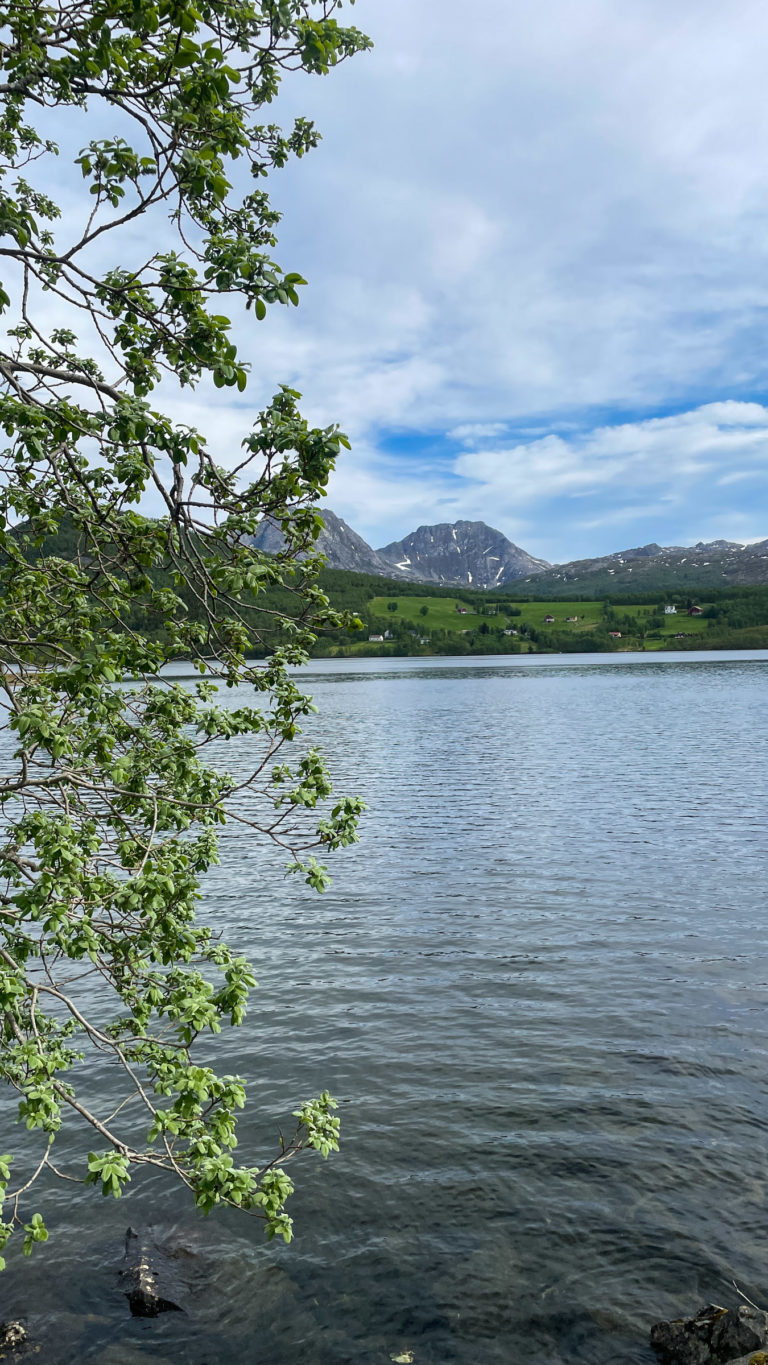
150,1282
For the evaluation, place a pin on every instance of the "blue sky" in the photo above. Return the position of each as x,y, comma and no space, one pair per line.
536,240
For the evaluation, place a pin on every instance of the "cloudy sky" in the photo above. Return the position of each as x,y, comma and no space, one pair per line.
536,240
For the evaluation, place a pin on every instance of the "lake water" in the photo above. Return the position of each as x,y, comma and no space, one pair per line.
539,989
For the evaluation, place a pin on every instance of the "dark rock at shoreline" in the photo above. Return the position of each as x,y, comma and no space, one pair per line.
686,1341
715,1336
740,1332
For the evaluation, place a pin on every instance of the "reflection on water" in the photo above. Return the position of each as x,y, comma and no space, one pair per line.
539,988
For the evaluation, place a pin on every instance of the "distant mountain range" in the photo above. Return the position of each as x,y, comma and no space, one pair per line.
468,554
471,554
709,564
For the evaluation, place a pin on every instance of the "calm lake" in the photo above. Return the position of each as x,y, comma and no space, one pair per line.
539,990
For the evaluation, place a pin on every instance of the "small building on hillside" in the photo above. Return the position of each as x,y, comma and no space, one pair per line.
615,634
571,618
548,620
510,632
670,611
462,611
376,639
695,611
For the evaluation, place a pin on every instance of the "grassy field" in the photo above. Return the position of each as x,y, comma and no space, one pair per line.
588,615
443,614
681,623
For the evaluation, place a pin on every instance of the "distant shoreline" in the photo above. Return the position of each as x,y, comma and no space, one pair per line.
182,668
693,645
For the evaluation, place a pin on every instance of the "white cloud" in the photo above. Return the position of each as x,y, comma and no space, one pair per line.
669,452
740,475
662,474
620,516
474,433
553,207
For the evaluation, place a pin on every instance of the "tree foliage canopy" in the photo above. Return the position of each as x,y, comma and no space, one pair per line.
110,801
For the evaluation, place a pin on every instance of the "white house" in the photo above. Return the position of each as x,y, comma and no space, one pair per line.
670,611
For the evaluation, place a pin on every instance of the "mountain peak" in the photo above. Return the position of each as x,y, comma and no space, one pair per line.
467,553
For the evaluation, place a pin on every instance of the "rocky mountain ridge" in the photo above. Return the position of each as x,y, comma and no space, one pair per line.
472,554
708,564
467,554
342,547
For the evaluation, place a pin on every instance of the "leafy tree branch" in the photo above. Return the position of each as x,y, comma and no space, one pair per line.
113,791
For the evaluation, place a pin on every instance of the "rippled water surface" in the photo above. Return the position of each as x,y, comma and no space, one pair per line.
539,988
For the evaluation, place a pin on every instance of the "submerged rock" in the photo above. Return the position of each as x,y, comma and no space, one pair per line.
151,1286
13,1337
715,1336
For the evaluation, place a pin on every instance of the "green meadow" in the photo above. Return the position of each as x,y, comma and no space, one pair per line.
442,612
456,616
452,613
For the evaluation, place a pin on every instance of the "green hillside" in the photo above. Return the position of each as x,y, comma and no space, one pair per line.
421,619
